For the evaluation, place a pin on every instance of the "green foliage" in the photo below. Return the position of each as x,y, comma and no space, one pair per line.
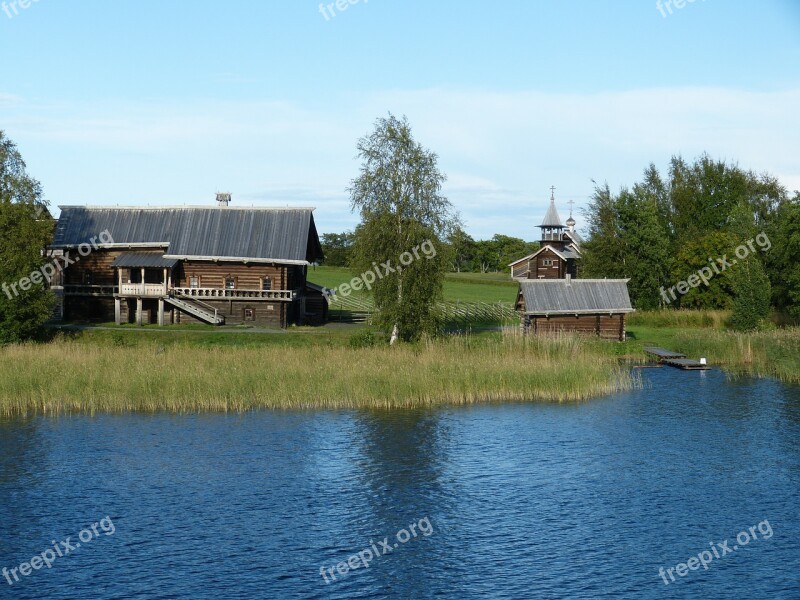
693,255
365,338
337,248
628,240
782,260
508,249
751,287
398,195
463,250
25,229
704,194
603,253
646,247
665,230
488,256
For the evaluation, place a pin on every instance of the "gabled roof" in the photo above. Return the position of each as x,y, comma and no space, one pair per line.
575,296
575,237
563,254
286,235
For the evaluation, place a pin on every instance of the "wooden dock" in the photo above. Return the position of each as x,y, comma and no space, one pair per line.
687,364
676,359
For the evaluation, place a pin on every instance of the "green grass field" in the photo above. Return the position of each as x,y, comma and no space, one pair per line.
458,287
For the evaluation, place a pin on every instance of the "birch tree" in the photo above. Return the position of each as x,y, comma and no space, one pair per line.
25,229
398,194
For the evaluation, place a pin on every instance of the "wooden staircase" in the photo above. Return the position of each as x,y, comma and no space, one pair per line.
193,307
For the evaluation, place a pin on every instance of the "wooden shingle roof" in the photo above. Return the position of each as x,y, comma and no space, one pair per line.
220,233
575,296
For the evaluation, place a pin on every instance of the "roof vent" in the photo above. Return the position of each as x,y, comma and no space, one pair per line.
223,199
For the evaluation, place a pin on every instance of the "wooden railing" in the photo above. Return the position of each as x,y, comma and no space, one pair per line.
156,290
284,295
90,290
143,289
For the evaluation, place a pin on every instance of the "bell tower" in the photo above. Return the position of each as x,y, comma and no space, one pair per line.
552,227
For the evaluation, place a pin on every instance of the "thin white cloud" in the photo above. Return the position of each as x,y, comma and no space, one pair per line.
501,151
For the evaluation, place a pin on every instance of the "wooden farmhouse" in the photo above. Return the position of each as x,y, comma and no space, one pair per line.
552,299
215,265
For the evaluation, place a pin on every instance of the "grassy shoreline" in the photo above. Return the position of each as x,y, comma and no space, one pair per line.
205,370
73,376
773,353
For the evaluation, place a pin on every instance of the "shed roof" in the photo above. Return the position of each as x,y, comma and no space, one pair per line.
261,234
575,296
144,260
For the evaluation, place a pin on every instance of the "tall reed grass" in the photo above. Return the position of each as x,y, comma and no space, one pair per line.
683,318
763,354
66,376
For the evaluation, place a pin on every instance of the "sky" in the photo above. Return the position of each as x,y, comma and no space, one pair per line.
149,102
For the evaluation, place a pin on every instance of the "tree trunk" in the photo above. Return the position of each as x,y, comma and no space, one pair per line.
396,329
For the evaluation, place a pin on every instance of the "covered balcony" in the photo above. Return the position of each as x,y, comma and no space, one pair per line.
143,275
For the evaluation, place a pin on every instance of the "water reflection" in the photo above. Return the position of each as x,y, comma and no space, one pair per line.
402,457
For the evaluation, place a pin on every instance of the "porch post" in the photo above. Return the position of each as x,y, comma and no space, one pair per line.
161,312
165,280
139,311
142,280
118,310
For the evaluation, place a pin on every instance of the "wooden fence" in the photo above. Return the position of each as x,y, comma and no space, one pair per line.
359,310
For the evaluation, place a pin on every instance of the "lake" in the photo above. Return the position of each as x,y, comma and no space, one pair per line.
504,501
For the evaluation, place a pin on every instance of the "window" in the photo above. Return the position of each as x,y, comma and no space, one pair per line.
267,284
88,278
547,262
230,283
249,314
194,282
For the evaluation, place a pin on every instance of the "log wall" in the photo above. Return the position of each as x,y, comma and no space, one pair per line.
610,327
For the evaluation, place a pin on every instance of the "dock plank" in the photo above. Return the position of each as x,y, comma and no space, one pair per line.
687,364
663,353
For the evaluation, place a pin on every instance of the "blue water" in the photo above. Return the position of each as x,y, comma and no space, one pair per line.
522,501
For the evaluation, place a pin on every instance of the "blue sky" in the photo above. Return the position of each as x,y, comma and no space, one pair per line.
155,102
